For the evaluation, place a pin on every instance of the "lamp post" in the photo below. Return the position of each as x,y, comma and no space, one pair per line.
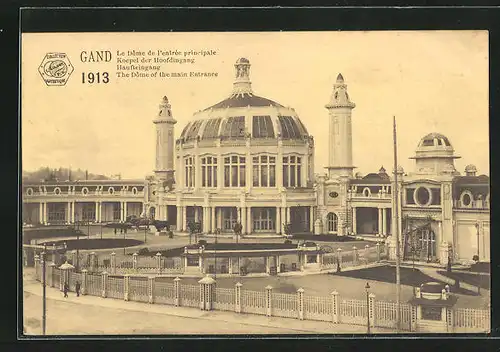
77,244
44,295
145,233
367,288
478,281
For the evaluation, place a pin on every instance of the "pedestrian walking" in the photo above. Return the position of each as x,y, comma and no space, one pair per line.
65,289
77,288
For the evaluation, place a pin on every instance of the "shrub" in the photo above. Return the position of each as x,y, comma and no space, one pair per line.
288,241
202,242
143,251
170,234
475,258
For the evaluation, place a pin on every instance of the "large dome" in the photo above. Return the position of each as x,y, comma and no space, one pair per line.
244,115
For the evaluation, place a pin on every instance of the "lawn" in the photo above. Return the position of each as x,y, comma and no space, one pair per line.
409,277
471,279
96,243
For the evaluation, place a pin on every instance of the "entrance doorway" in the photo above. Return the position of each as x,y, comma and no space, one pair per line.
421,245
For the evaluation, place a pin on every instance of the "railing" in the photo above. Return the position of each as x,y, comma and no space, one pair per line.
297,305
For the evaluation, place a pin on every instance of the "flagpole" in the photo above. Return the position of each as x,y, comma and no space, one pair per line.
396,230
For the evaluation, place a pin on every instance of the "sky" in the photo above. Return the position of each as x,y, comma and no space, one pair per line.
432,81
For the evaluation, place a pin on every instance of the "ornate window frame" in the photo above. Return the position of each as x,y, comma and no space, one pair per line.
209,168
367,192
57,191
415,198
269,165
334,220
297,163
462,195
111,190
189,171
85,191
29,191
228,162
134,190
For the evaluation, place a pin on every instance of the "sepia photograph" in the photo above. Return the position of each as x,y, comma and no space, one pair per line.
274,183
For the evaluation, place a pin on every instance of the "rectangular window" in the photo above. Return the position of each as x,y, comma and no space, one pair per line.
272,175
256,175
264,175
234,176
242,176
285,176
226,176
292,175
299,178
203,176
215,175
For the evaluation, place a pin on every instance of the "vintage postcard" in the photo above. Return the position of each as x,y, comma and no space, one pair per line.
255,183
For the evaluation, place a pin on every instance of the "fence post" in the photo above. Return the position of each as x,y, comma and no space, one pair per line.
449,320
104,283
126,284
206,292
335,307
73,257
92,262
371,309
177,291
158,263
237,301
134,261
62,277
378,251
300,302
339,257
37,267
113,263
151,289
269,296
413,323
84,281
355,258
51,274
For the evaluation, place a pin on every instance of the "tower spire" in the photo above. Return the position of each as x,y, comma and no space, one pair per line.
164,123
340,139
242,84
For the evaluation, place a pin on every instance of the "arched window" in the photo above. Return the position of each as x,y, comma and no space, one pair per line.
332,222
234,171
209,171
264,171
292,171
189,171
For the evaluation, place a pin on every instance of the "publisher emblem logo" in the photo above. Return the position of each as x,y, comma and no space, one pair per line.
55,69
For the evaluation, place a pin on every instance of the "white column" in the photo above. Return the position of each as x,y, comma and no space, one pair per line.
68,213
384,221
379,221
278,220
243,219
288,219
40,212
212,215
354,220
97,215
45,212
179,218
125,204
283,218
219,218
249,219
311,219
238,214
196,214
73,206
184,218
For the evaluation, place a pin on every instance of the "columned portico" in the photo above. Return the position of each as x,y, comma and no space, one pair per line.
384,221
354,220
243,221
278,221
213,211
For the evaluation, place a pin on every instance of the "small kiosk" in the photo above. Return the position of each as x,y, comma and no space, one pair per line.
434,303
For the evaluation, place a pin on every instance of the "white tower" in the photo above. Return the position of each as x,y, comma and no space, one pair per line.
340,140
164,122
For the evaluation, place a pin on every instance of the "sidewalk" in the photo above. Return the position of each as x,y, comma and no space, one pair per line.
295,326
